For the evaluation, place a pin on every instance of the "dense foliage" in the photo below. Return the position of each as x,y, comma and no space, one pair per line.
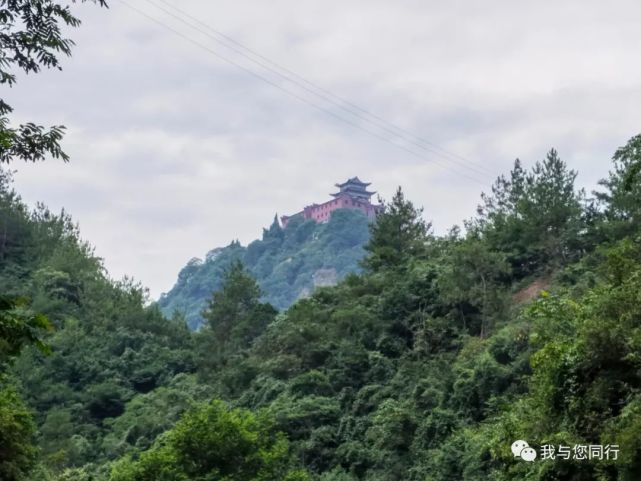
287,263
31,39
106,353
213,442
426,365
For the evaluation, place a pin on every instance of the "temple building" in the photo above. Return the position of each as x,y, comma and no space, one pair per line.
352,194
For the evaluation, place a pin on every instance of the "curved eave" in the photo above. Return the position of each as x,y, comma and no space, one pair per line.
353,181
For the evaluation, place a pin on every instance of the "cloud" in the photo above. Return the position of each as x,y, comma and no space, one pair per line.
175,152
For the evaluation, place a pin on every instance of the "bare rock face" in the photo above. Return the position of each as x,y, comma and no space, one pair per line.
533,290
305,293
325,277
320,278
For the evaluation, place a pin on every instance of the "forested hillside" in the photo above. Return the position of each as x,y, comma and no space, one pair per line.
107,357
288,263
425,366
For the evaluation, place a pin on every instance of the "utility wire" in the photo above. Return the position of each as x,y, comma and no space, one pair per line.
290,93
318,91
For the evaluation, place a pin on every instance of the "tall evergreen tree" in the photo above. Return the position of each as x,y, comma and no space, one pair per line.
622,213
235,314
398,235
535,218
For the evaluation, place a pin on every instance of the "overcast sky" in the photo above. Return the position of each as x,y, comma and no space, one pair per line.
175,152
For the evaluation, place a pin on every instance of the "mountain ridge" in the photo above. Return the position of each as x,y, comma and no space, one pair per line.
288,263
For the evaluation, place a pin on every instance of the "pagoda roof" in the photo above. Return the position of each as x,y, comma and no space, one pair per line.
353,192
353,181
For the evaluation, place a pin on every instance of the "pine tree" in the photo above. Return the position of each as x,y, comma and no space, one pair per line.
535,218
234,313
399,234
622,214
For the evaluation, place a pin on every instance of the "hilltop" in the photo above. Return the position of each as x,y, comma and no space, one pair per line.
288,263
315,247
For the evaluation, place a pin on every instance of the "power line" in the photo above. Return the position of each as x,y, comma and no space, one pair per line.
290,93
318,91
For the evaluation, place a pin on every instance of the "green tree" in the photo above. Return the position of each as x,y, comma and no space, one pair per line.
30,40
235,314
215,442
398,235
622,214
19,327
535,218
17,433
471,277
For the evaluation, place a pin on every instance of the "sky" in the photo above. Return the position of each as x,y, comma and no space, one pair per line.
179,144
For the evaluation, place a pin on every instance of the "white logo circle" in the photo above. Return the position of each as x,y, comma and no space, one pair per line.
528,454
518,446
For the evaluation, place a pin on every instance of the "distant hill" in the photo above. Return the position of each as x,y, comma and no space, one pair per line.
288,263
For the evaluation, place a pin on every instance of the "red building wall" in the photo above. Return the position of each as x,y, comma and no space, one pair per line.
322,212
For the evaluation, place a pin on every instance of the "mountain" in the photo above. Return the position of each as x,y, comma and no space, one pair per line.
288,263
436,362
